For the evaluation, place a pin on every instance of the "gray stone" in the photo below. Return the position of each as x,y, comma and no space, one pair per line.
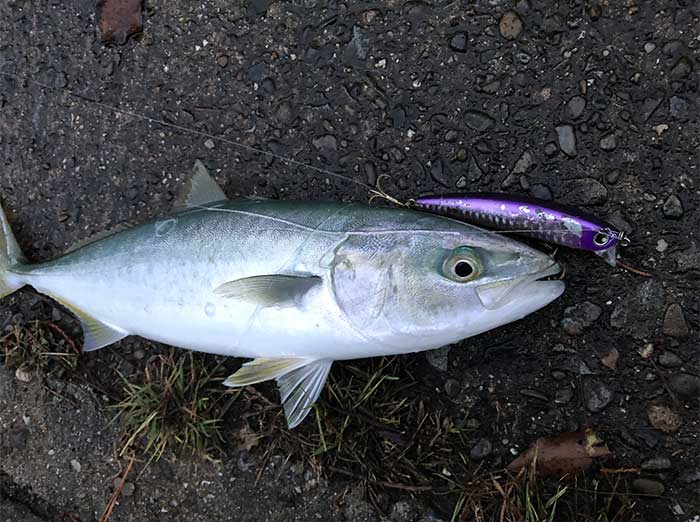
563,396
685,386
670,360
458,42
585,191
325,142
575,107
673,208
510,25
481,450
567,139
648,487
478,120
597,395
452,388
679,107
674,321
438,358
579,317
657,464
682,68
638,313
608,142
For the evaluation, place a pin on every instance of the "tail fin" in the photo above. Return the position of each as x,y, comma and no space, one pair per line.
10,255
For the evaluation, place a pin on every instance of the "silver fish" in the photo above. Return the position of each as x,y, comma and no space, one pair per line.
293,285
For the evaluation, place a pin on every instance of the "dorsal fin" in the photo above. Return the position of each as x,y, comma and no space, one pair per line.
200,189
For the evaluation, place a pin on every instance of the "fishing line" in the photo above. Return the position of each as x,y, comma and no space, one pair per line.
376,191
195,132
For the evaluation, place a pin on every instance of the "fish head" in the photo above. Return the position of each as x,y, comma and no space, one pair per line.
421,289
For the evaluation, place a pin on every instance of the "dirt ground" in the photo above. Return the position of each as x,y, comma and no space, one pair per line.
591,104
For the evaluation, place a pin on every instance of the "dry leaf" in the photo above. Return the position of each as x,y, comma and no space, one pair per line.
563,454
118,19
664,418
610,359
247,437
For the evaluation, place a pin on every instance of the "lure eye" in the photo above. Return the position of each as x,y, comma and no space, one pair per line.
462,266
601,238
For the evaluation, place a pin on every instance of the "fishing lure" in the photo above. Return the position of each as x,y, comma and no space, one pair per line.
539,219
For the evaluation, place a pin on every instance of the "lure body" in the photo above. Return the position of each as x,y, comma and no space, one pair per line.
539,219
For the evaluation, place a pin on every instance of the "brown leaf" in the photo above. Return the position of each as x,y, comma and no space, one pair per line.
610,359
664,418
118,19
248,438
563,454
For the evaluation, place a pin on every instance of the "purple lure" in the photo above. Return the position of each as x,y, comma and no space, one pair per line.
540,219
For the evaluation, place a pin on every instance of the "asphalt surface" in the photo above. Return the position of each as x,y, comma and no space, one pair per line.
593,105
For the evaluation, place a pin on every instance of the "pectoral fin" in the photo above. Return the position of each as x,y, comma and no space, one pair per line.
300,382
96,333
268,290
201,189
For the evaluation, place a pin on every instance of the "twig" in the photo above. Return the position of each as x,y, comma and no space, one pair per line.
634,270
618,471
383,483
115,496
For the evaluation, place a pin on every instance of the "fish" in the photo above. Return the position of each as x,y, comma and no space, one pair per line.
292,285
544,220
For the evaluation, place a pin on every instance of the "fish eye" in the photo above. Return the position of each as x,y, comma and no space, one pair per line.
601,238
463,269
462,266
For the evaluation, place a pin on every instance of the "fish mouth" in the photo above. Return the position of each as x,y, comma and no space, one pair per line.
499,293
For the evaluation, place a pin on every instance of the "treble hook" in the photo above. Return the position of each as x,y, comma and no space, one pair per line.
378,192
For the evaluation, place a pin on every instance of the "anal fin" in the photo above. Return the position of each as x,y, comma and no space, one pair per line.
96,333
300,382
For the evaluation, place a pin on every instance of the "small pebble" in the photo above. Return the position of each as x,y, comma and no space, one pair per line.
438,359
608,142
661,245
209,143
575,107
478,120
649,47
481,450
452,387
558,375
657,464
648,487
534,394
674,322
597,395
76,465
685,386
664,418
510,25
578,318
670,360
567,139
563,396
458,42
23,375
673,208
